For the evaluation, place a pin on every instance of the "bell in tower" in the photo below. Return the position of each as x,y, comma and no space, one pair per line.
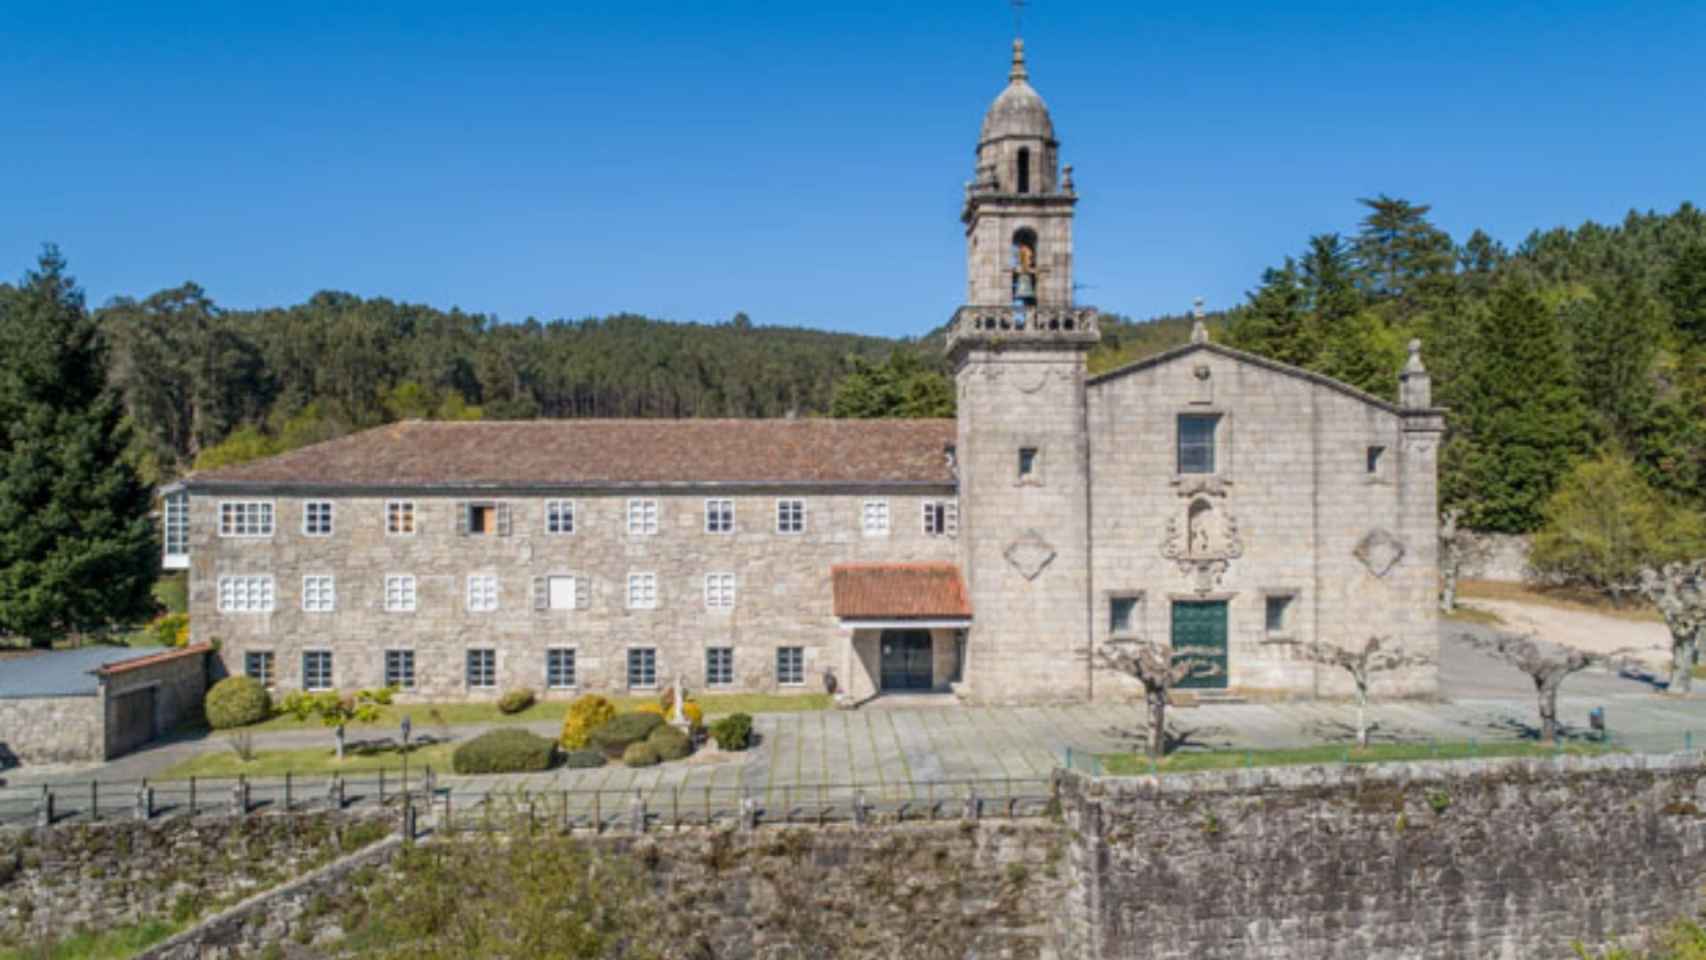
1025,268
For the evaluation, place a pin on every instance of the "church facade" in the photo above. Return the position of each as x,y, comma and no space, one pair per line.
1208,498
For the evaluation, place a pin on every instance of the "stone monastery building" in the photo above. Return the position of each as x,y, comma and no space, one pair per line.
1231,504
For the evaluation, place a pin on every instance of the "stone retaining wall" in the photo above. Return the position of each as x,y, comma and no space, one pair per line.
51,729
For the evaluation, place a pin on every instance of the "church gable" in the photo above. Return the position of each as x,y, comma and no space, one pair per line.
1206,355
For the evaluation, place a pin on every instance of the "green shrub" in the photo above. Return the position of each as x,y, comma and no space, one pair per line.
615,736
169,629
237,702
585,715
583,759
504,751
515,701
641,755
670,743
733,732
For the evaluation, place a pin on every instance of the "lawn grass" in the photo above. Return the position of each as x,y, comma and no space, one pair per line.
1573,599
311,761
427,716
1463,613
1132,764
113,943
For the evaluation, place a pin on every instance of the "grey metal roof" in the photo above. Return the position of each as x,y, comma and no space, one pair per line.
62,673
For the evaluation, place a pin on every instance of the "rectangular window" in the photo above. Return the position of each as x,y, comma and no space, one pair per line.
482,593
719,666
319,594
1279,613
941,518
1196,442
400,669
1125,616
245,518
257,665
317,518
642,518
642,591
790,665
482,669
400,517
790,516
1374,455
1027,463
400,593
719,591
643,667
317,670
482,519
175,530
876,518
560,593
719,516
245,594
560,668
559,516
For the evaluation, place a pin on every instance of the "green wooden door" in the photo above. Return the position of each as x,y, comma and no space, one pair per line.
1199,631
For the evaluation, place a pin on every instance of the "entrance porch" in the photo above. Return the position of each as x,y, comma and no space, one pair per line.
907,625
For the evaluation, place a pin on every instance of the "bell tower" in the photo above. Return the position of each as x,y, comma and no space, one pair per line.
1018,350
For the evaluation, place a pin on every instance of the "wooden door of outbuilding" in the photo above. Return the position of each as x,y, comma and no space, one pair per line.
131,720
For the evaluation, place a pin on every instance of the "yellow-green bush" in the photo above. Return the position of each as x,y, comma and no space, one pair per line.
695,713
237,702
586,714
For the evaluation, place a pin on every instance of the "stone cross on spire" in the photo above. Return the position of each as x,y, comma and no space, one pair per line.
1018,72
1199,329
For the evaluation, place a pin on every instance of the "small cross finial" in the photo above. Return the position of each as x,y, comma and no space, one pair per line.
1199,329
1018,17
1197,308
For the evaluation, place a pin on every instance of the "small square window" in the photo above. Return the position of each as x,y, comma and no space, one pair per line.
400,517
399,593
482,593
876,518
560,593
1279,613
643,668
482,669
319,594
560,668
245,518
1375,454
790,516
1027,463
400,669
258,666
252,594
719,591
1196,442
642,518
1125,616
642,591
317,670
941,518
559,516
482,519
317,518
790,665
719,666
719,516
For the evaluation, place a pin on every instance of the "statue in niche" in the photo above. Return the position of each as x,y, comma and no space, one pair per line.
1205,545
1197,523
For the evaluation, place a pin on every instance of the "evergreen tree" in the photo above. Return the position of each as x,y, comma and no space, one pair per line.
901,386
1685,287
1276,322
1401,254
1615,335
77,546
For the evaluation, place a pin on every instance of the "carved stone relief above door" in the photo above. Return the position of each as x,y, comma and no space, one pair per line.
1202,538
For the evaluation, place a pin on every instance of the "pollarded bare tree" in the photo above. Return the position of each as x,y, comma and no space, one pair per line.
1377,655
1458,547
1548,664
1159,667
1679,591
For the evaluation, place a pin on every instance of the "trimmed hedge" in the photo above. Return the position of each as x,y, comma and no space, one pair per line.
641,755
515,701
504,751
628,728
585,715
733,732
583,759
237,702
670,743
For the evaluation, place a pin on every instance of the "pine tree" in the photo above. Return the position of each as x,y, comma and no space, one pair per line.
77,546
1684,286
1276,323
1400,253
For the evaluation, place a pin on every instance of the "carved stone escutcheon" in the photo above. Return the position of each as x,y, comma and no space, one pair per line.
1204,544
1030,554
1379,551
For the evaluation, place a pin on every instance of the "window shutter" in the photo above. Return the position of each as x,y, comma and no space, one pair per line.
951,518
926,527
504,526
541,594
462,518
583,593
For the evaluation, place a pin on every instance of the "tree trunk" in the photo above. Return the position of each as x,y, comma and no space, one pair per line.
1682,654
1448,581
1157,698
1549,710
338,734
1362,717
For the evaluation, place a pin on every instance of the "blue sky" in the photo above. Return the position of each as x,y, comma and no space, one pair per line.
801,162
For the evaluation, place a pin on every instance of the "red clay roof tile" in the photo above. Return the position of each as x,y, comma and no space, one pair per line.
899,591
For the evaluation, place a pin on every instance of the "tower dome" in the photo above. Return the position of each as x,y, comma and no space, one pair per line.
1019,111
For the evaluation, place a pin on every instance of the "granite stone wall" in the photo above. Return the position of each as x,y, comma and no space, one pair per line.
180,687
51,730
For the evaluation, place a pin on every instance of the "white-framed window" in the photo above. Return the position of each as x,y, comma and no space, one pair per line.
560,668
319,593
559,516
790,665
556,592
642,591
400,592
941,518
258,666
489,518
252,594
245,518
642,668
317,518
482,592
400,518
175,530
875,514
719,591
790,516
400,669
642,517
719,666
719,516
482,669
317,670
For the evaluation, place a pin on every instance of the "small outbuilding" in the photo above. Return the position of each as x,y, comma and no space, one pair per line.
95,703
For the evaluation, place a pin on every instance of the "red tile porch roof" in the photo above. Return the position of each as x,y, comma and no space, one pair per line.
194,650
899,591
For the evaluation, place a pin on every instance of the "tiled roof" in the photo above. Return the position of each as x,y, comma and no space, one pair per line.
592,453
899,591
71,673
166,657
